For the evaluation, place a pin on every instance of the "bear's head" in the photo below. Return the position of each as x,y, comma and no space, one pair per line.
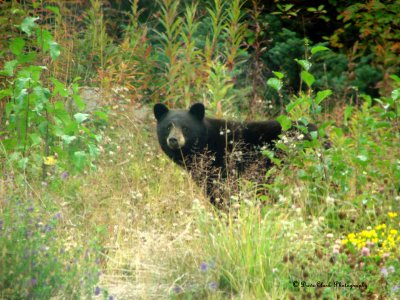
181,132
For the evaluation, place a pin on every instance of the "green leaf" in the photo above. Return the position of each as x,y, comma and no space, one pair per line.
54,9
307,77
314,135
293,104
79,160
5,93
318,49
44,37
61,113
42,93
101,115
395,78
279,75
28,24
93,150
347,113
285,122
321,95
59,88
17,45
68,139
36,139
26,58
9,68
78,101
396,94
20,97
22,82
54,50
275,83
79,117
305,64
23,163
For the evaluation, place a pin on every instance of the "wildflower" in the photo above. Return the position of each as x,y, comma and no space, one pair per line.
58,215
97,291
329,235
177,289
203,267
33,281
395,288
391,269
111,297
392,215
213,286
384,272
380,227
336,249
49,160
330,200
64,175
365,251
274,270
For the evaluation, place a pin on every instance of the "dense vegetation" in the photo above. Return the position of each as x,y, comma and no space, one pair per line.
90,207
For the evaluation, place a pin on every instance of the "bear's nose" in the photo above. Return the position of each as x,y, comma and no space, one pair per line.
173,142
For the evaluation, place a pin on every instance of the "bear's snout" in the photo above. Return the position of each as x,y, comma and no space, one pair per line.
173,143
176,139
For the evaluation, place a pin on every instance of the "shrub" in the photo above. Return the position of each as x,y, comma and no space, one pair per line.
39,130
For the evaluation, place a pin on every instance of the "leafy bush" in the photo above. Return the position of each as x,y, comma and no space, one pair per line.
39,130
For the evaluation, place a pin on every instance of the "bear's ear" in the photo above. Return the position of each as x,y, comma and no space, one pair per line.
197,110
160,110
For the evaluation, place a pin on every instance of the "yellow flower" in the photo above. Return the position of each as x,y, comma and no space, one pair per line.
49,160
393,232
379,227
392,214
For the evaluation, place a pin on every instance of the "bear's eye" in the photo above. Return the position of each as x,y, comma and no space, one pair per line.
169,126
185,129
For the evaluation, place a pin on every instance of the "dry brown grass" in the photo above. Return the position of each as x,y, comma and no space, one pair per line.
144,203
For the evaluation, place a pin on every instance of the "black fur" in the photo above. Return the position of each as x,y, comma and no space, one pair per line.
214,139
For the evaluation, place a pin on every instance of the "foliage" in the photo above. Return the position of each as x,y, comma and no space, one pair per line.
377,23
39,129
35,262
212,37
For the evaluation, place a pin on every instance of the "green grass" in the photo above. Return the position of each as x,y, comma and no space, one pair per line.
160,238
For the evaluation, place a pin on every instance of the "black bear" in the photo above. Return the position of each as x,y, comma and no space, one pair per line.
187,135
